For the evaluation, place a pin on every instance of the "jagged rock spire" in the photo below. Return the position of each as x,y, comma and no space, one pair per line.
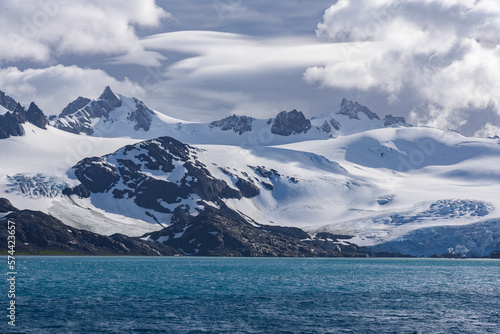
352,109
111,98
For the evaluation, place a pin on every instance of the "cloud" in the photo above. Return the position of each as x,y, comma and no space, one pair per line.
488,130
52,88
232,73
141,58
255,18
443,53
434,62
39,31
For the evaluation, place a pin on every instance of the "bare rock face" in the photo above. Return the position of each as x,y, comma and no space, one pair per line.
74,106
7,102
97,174
226,233
390,120
142,116
352,110
10,122
335,124
326,127
6,206
36,116
108,100
287,123
238,124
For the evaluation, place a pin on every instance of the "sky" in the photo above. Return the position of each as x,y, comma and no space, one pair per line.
435,62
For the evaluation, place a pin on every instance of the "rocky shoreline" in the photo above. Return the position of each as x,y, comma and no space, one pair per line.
210,234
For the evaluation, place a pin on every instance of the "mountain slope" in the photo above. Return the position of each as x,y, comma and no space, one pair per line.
425,178
348,178
163,179
37,232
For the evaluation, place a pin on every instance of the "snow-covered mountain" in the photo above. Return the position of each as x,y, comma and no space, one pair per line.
113,115
334,183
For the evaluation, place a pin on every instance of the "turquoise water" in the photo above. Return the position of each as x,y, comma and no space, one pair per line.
271,295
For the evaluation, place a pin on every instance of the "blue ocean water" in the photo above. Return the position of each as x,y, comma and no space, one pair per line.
247,295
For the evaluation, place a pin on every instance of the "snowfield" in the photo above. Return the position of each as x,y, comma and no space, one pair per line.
402,189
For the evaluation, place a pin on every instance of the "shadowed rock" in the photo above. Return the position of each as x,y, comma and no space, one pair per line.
287,123
390,120
352,110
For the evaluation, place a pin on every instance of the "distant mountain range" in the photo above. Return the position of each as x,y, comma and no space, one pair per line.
112,176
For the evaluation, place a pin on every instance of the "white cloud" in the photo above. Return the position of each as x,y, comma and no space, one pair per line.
434,61
54,87
444,53
141,58
488,130
232,73
41,30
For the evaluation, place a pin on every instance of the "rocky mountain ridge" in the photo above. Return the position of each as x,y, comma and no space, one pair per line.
16,115
102,117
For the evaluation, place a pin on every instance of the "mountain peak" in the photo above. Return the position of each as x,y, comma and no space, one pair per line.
35,116
77,116
352,109
110,97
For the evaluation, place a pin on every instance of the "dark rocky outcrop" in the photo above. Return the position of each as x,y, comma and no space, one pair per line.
142,116
39,233
7,102
390,120
335,124
10,122
36,116
287,123
238,124
227,234
74,106
495,255
80,191
6,206
262,171
248,189
246,186
352,110
326,127
96,174
108,100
